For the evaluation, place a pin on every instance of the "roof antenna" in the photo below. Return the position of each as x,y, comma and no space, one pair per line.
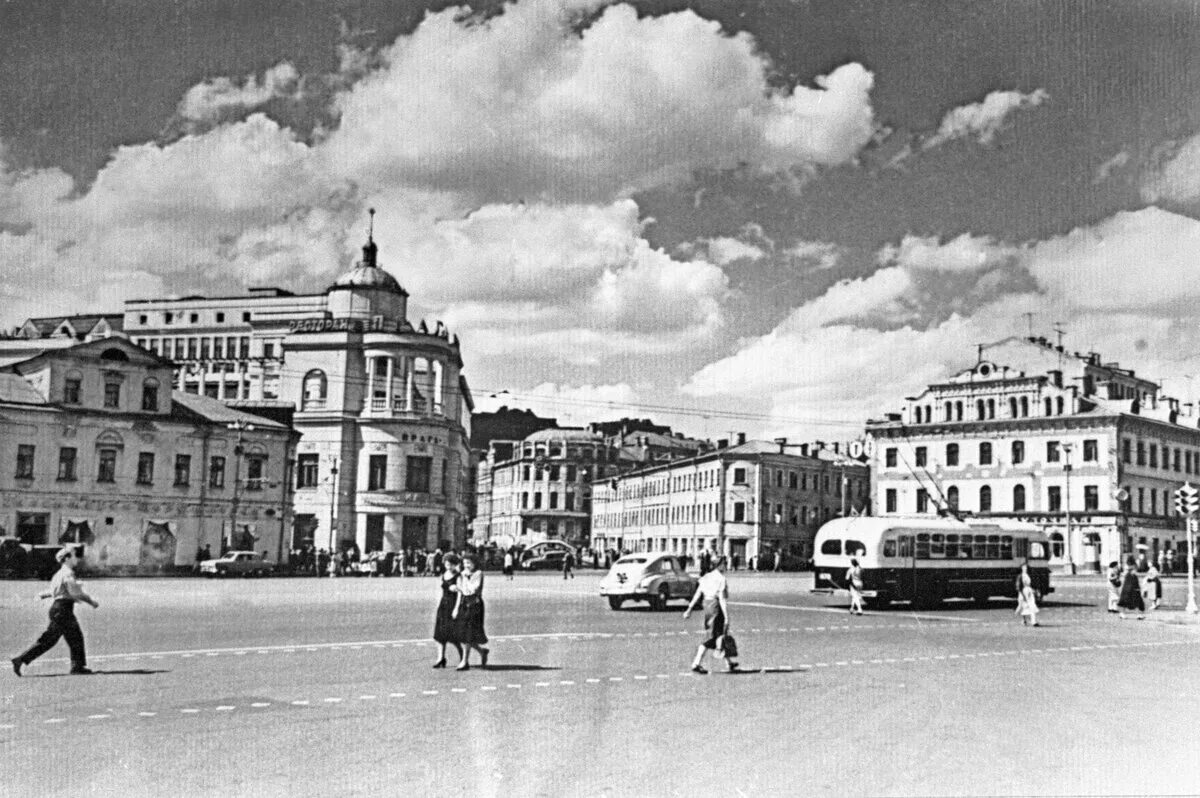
369,249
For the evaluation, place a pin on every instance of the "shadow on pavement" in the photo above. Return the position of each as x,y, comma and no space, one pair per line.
131,672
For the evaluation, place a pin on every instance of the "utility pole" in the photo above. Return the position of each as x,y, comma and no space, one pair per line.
1069,567
241,427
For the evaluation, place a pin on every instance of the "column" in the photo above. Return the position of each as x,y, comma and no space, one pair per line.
370,403
391,372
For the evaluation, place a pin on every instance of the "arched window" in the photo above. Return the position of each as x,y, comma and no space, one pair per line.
985,499
1059,403
985,453
952,497
979,412
928,414
1018,503
1056,545
991,408
949,410
1012,407
1048,408
1018,452
315,388
150,395
958,411
951,454
1024,406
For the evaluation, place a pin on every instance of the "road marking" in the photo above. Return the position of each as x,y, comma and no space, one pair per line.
98,717
225,708
458,689
55,720
366,698
300,703
514,687
568,681
333,700
488,687
429,692
397,695
189,711
147,714
260,704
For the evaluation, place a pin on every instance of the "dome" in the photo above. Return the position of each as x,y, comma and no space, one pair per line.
564,435
368,274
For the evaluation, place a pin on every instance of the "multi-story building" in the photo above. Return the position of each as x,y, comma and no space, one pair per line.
35,336
1086,449
743,501
100,451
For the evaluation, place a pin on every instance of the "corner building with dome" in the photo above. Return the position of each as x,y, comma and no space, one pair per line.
382,405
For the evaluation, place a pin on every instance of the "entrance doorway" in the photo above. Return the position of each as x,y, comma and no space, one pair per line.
374,541
415,532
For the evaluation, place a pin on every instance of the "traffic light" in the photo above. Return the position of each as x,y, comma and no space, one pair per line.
1187,499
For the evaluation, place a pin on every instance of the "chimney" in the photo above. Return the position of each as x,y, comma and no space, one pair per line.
804,450
722,443
782,445
1055,378
741,438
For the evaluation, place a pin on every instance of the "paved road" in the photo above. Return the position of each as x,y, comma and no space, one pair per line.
302,687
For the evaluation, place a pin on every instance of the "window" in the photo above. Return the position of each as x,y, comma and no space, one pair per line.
204,347
985,499
739,476
1056,544
1018,452
570,501
1091,451
889,548
313,393
793,480
1052,451
889,457
1018,503
554,500
244,346
952,497
1178,460
537,500
150,395
183,467
922,500
739,512
1126,451
952,454
71,390
216,472
985,454
831,546
377,472
1054,499
112,394
25,453
220,318
922,549
306,471
937,546
66,464
417,474
268,349
922,456
193,348
168,318
106,469
1153,456
555,473
255,467
33,529
890,498
246,315
1141,453
1091,497
572,473
194,318
145,471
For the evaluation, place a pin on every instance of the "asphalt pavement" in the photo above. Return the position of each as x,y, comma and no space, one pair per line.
297,687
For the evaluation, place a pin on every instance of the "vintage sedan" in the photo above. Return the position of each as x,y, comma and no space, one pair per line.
653,577
237,563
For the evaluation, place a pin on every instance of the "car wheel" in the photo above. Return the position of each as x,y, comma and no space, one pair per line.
614,603
660,601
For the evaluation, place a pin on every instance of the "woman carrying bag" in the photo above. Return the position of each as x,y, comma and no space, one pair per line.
714,591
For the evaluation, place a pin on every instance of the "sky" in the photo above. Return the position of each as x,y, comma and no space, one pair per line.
778,218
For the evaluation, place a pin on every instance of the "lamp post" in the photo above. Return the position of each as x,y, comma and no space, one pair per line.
241,427
1069,566
333,489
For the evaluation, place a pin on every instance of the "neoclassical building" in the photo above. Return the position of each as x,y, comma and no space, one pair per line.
1085,448
97,449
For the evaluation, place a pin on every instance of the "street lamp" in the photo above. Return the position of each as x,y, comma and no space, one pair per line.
241,427
333,489
1069,567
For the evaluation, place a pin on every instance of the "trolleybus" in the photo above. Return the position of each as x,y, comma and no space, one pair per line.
925,560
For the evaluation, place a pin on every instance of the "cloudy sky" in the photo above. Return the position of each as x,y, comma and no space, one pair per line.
777,217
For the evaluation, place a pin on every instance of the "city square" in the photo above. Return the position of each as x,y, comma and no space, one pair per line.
272,686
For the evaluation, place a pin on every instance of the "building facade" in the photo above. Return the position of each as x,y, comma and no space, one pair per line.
744,501
1086,449
101,451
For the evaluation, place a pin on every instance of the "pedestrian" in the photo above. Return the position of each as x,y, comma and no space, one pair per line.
713,590
569,565
1153,587
1027,606
854,581
508,564
445,628
65,590
469,613
1131,591
778,560
1114,586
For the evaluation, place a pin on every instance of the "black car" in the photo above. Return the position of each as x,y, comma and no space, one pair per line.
550,561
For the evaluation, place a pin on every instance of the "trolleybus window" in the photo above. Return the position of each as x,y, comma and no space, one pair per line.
951,546
1037,550
937,546
889,548
993,547
906,546
1021,548
1006,547
922,552
831,546
855,548
979,551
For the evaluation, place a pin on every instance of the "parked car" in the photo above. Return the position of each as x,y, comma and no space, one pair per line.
548,561
237,563
653,577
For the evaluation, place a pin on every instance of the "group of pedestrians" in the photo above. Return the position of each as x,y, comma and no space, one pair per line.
459,619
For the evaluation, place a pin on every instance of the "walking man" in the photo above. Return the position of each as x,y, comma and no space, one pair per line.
569,565
65,591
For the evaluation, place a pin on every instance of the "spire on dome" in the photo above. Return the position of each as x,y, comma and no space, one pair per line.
370,250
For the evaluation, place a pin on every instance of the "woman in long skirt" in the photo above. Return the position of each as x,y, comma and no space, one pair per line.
445,629
469,611
1027,606
1114,586
1131,591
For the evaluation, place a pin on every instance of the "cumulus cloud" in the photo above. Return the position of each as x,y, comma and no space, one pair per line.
1105,170
1175,177
984,119
724,250
1124,287
526,105
215,98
